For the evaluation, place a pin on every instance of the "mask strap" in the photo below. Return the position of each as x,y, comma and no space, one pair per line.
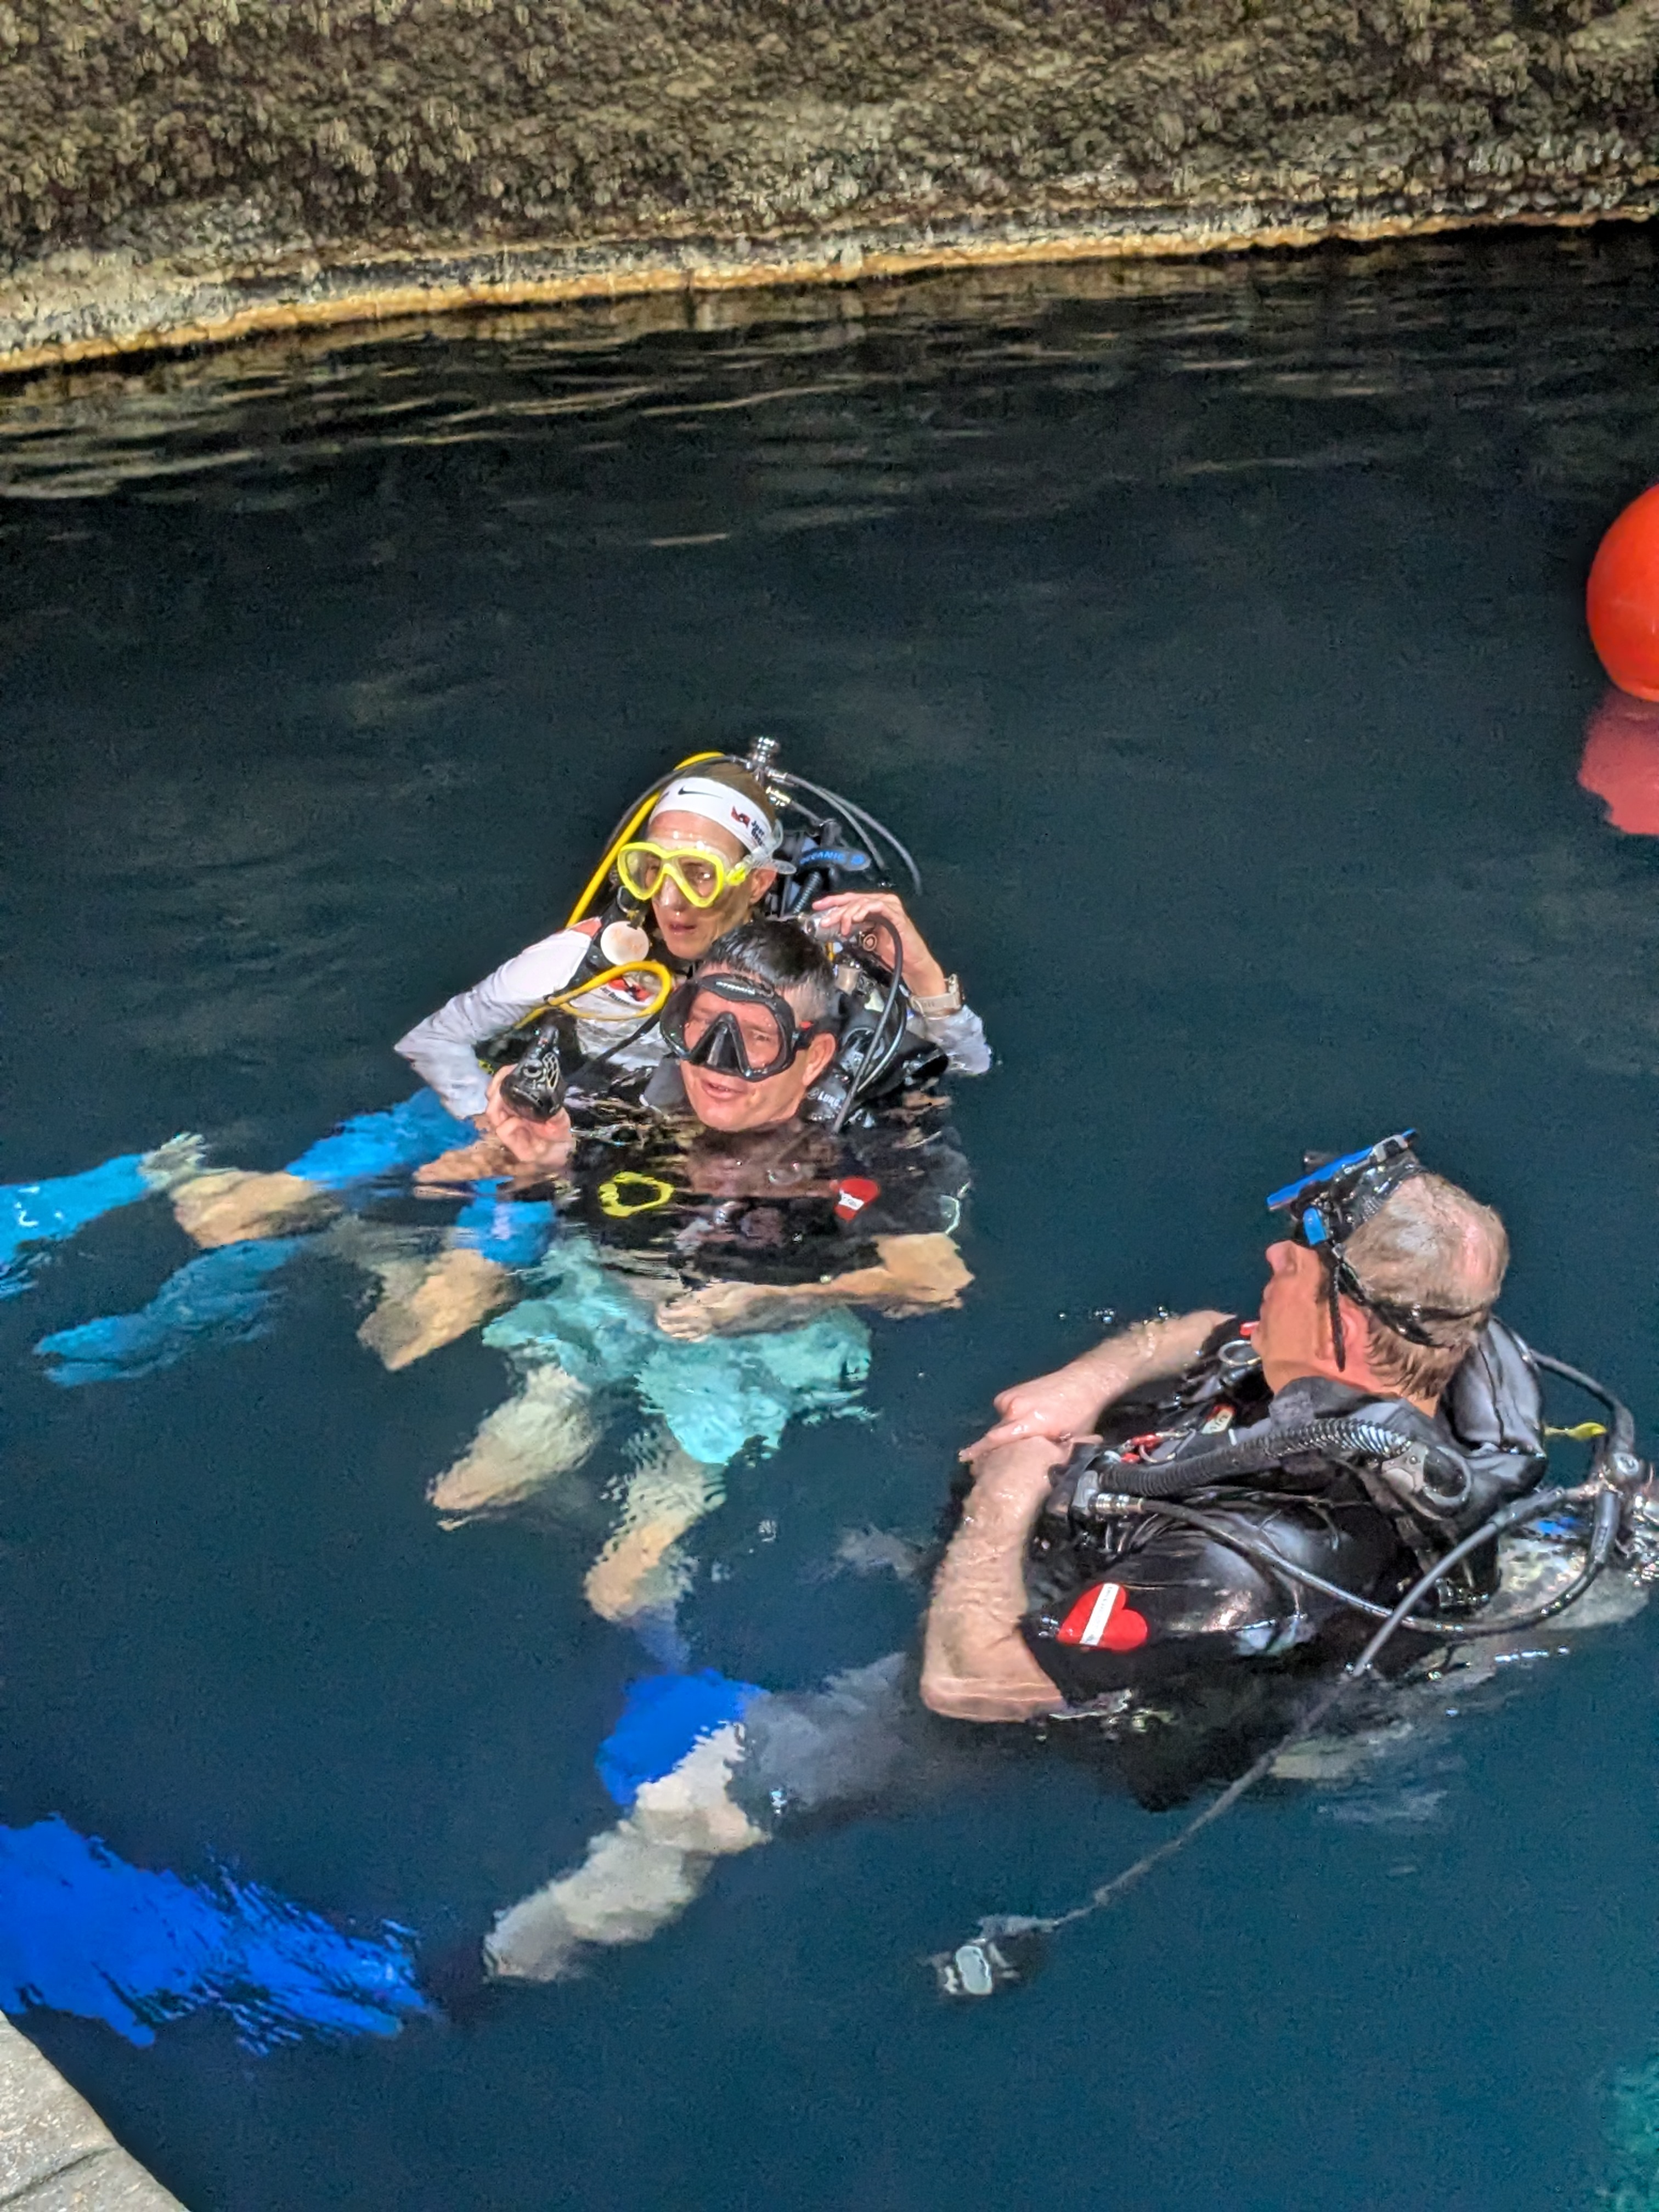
1334,1294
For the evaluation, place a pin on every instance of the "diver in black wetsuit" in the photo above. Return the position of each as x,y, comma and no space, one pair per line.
729,1205
1373,1416
1167,1580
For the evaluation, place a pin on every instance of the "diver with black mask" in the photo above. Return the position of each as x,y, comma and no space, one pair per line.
717,840
728,1207
1197,1492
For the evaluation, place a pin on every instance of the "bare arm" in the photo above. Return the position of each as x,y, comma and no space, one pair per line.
976,1665
913,1274
1068,1402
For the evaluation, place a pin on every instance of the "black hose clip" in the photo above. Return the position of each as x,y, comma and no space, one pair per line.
1621,1478
1415,1470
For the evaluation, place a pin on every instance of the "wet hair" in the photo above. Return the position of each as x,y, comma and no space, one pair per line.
1431,1244
780,954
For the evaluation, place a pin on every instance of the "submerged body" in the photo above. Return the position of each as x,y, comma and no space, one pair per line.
1389,1493
716,1277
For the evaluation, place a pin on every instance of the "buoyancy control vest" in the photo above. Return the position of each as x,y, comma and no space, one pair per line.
799,1204
878,1058
1168,1546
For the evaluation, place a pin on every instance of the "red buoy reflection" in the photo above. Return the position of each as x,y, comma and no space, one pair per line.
1621,762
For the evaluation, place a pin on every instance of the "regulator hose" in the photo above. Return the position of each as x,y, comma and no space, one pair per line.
876,1065
1334,1439
1621,1430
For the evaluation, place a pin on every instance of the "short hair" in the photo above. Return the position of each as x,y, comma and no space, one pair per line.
1430,1244
783,955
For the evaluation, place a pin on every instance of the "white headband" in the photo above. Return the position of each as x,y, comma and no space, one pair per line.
754,829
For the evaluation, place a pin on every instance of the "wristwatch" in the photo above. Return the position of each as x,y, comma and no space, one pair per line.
949,1000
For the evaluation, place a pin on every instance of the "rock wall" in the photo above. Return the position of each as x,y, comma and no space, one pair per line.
56,2154
173,168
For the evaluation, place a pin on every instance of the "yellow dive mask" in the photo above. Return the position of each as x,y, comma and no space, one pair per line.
701,877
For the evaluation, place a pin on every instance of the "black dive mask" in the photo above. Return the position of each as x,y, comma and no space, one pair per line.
752,1035
1336,1197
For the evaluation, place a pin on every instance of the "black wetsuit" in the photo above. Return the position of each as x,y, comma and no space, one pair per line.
781,1206
1123,1600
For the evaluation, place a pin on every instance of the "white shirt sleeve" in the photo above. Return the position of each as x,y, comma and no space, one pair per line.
442,1047
960,1037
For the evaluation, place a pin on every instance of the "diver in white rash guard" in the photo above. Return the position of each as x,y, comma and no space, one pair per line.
708,859
713,854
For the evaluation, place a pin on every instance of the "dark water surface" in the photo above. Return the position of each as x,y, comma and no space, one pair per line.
1214,636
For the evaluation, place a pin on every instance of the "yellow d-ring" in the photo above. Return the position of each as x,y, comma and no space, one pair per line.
613,1202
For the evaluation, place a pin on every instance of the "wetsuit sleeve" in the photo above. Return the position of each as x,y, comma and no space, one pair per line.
960,1036
443,1047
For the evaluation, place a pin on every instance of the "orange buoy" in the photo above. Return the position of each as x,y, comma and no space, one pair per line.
1622,599
1621,763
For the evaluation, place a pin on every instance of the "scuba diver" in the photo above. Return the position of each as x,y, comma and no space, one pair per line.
750,835
1194,1503
713,850
1199,1491
726,1227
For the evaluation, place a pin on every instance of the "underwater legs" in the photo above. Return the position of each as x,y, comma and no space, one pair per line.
641,1571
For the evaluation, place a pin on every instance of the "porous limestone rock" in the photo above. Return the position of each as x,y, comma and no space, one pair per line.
172,165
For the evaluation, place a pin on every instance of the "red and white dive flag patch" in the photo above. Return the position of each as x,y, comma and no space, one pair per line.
855,1194
1104,1620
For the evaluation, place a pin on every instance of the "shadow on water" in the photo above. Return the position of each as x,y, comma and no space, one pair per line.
1213,634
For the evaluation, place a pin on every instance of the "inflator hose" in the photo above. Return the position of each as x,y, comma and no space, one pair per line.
1227,1462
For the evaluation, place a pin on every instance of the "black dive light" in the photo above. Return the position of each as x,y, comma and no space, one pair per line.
535,1083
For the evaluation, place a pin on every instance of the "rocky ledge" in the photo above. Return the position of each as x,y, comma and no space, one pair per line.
171,170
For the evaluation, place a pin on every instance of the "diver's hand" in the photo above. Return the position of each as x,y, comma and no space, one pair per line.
846,909
1064,1406
1059,1407
532,1144
732,1310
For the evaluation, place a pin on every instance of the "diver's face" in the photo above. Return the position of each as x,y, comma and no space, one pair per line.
1293,1335
687,931
726,1102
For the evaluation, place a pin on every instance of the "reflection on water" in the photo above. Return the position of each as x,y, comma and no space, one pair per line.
1214,635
